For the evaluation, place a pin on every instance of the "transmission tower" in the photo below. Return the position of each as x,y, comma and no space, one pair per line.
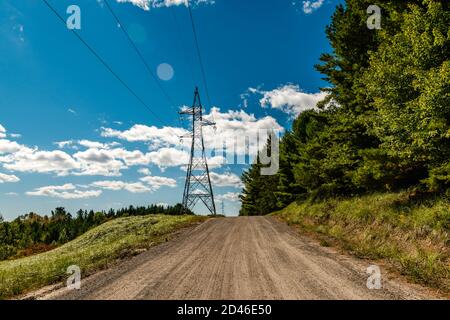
198,182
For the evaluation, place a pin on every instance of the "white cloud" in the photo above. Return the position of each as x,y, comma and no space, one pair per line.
148,4
31,160
92,144
72,111
136,187
8,147
145,171
2,131
311,6
291,99
98,162
146,184
156,136
230,196
86,144
94,158
216,162
226,180
169,157
67,192
98,145
231,126
63,144
131,158
8,178
157,182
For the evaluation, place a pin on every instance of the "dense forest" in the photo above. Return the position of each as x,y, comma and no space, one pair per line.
385,125
32,233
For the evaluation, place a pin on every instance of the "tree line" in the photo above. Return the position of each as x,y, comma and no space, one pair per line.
385,124
32,233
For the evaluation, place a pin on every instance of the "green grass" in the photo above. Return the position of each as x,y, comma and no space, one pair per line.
411,235
94,250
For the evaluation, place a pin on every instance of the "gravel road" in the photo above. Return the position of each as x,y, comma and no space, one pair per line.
239,258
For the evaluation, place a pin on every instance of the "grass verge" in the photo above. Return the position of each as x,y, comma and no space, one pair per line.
94,250
411,235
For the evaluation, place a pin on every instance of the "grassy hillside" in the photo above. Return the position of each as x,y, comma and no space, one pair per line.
413,236
94,250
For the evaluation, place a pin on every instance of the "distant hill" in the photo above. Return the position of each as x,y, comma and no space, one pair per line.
93,250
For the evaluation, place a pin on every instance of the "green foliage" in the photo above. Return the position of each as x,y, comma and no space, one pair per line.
385,124
258,197
408,82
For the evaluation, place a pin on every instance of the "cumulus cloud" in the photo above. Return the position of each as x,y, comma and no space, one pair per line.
98,162
96,144
2,131
30,160
230,196
291,99
8,147
157,182
93,161
141,133
146,184
136,187
169,157
311,6
216,162
225,180
230,131
238,131
131,158
109,159
86,144
67,192
148,4
6,178
63,144
21,158
145,171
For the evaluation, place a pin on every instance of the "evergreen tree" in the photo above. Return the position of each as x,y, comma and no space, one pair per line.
258,196
386,121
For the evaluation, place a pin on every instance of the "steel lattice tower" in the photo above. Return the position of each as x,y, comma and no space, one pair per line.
198,182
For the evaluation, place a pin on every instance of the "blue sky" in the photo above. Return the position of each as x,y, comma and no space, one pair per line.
71,135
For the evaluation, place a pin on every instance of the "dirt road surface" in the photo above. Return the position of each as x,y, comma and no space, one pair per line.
239,258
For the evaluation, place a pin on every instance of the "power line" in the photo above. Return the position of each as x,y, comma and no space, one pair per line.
105,64
202,68
138,52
